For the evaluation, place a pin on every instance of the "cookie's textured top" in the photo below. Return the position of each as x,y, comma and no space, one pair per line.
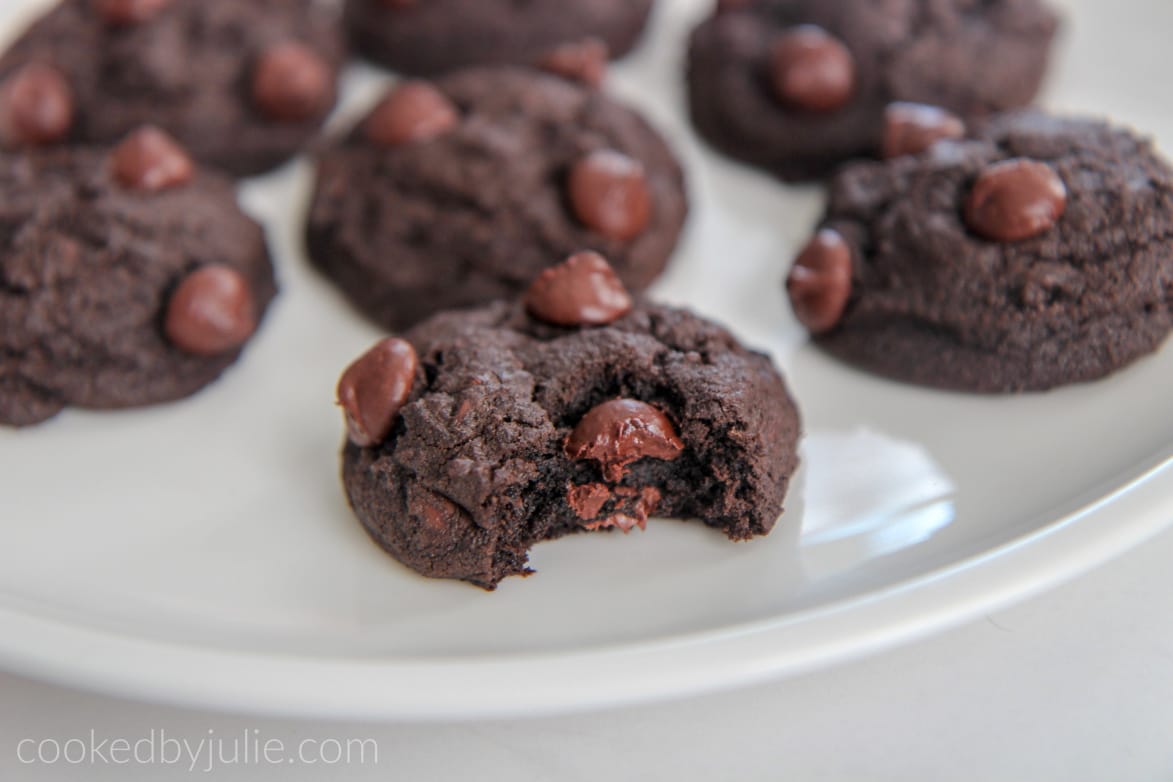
457,194
517,431
426,37
1038,254
798,86
243,85
123,280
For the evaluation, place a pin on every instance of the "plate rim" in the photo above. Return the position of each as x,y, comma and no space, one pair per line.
546,684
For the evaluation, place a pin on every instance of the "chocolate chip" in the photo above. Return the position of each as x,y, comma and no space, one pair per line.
398,5
150,160
122,13
36,106
1016,199
620,432
412,112
819,284
375,388
437,514
811,70
587,500
911,128
581,291
630,507
585,62
211,312
640,503
292,83
609,194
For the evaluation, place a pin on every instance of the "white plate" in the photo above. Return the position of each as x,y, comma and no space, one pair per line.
203,553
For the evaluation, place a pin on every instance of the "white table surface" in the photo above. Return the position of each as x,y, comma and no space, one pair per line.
1074,685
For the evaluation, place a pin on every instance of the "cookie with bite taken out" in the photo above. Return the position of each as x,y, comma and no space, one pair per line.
574,407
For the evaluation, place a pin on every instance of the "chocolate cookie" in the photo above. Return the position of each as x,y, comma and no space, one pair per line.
427,37
457,193
1034,255
242,85
486,431
799,86
127,278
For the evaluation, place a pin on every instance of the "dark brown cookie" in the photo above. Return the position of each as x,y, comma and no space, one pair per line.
127,278
427,37
516,431
1034,255
457,193
799,86
242,85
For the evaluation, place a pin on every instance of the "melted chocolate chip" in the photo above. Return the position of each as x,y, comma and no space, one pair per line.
414,111
811,70
911,128
211,312
630,507
621,432
292,83
122,13
819,284
36,106
375,388
588,500
581,291
1016,199
150,160
584,62
609,193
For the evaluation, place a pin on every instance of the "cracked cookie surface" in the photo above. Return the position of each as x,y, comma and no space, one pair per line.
934,302
497,450
470,205
88,267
